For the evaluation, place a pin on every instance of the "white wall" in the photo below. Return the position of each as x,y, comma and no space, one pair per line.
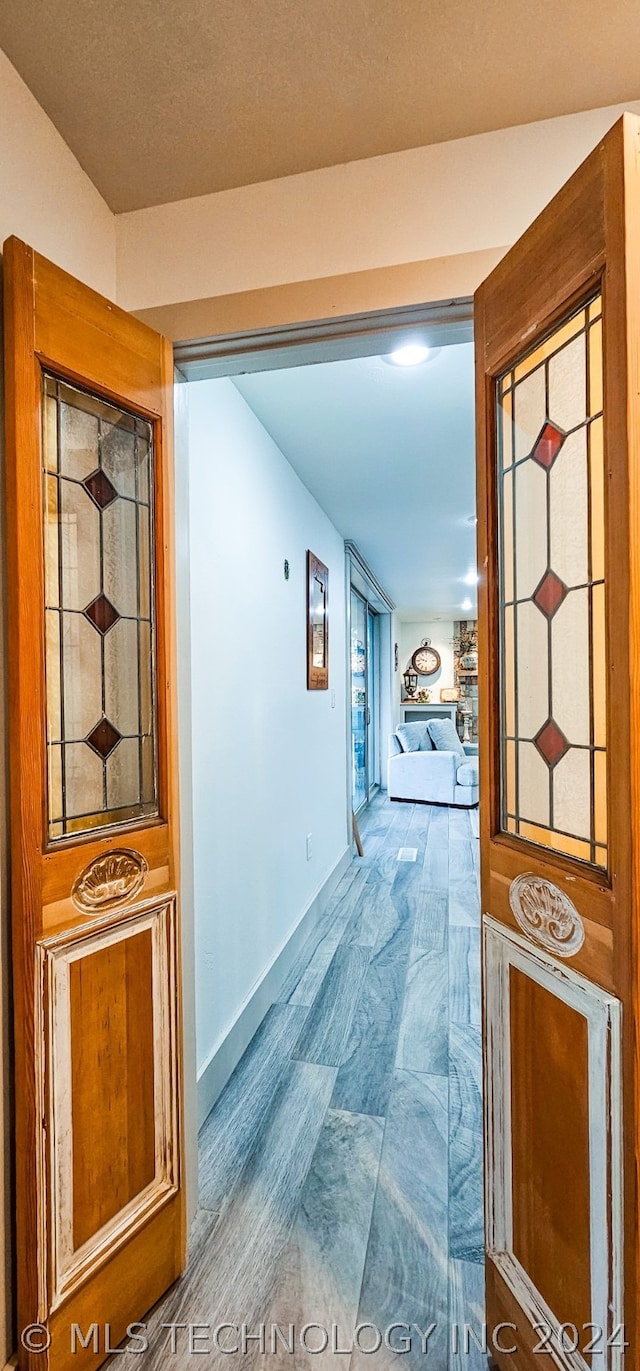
47,200
45,197
269,756
464,196
440,631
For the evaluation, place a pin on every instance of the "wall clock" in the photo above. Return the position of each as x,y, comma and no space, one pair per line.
426,659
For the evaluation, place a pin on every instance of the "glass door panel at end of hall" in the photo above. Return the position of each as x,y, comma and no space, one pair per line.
99,1186
358,667
364,687
558,421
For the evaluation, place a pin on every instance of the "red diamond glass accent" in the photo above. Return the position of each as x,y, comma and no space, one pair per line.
549,595
100,489
103,738
551,743
547,445
102,614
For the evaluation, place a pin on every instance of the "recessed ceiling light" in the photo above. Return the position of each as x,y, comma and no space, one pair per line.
409,355
466,604
471,578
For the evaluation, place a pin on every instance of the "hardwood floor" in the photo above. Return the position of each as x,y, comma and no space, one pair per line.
341,1169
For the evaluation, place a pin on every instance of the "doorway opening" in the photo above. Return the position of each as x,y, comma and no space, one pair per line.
351,1020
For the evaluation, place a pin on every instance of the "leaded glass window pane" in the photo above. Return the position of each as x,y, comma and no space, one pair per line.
552,600
99,622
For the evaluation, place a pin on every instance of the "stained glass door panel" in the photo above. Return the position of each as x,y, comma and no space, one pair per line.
99,612
553,623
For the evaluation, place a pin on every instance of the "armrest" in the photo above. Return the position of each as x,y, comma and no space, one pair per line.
443,766
426,776
394,746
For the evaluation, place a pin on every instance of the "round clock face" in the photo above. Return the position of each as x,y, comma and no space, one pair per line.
426,661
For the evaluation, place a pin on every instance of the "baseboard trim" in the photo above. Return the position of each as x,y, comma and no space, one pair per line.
225,1057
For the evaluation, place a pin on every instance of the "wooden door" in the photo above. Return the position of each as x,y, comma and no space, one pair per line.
558,369
100,1213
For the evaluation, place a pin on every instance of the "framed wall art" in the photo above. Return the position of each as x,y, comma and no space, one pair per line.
317,624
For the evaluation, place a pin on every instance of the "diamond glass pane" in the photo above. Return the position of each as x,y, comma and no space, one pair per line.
100,631
552,599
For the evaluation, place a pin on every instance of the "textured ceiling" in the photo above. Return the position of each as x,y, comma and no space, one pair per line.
388,452
162,101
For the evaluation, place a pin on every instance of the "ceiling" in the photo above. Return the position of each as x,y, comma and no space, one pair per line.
161,101
388,452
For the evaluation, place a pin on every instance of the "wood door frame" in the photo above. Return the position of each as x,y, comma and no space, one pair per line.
544,283
54,323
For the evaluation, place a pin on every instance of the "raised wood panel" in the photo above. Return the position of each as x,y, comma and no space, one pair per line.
554,1143
550,1155
112,1107
135,1278
112,1089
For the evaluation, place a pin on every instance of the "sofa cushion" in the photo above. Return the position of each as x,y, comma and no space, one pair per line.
445,736
468,772
414,737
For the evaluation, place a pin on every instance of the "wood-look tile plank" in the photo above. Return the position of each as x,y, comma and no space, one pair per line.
423,1040
467,1316
384,861
406,892
431,924
326,1029
464,976
466,1236
459,825
436,859
306,977
418,830
232,1277
320,1272
228,1135
461,867
365,1074
375,917
464,904
406,1268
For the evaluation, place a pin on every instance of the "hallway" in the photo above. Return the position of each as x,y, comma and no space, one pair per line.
341,1171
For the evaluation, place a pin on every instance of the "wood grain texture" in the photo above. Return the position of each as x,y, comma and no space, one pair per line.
326,1028
233,1274
406,1272
466,1226
321,1269
306,976
52,320
366,1069
586,237
551,1206
431,920
467,1316
423,1040
228,1135
464,976
112,1046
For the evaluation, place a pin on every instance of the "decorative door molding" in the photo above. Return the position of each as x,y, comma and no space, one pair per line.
505,951
73,1263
